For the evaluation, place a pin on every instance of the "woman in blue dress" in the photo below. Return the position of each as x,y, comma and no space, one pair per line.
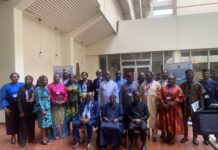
42,108
8,102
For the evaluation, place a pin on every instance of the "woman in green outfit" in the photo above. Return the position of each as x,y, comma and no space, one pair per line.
74,95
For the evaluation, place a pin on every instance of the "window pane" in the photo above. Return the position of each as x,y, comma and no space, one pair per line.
214,52
113,64
214,64
168,57
185,53
128,63
102,61
132,56
140,63
199,53
214,70
157,63
197,68
127,56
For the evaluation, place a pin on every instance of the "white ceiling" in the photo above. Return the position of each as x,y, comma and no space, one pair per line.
68,15
97,31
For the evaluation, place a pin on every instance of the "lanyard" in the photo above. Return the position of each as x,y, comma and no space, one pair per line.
148,87
130,87
169,91
57,86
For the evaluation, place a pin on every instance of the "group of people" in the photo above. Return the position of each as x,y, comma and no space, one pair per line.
113,107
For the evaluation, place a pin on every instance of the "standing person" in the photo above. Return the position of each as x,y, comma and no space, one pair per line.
87,115
58,98
170,97
210,96
85,83
138,114
8,102
65,76
193,92
74,94
111,128
126,92
149,90
107,87
25,105
96,83
42,108
163,82
141,78
119,80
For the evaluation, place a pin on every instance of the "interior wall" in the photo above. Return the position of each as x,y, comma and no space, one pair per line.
79,56
36,64
164,33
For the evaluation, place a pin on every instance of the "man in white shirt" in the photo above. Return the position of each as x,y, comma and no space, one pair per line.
107,87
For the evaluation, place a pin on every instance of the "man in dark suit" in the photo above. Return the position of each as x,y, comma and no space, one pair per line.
87,115
138,114
96,83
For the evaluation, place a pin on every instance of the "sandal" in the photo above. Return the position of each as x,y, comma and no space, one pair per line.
13,140
44,142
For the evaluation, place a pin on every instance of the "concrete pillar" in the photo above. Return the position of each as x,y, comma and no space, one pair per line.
11,45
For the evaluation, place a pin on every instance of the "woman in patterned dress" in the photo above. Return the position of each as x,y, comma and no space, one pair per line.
74,94
42,108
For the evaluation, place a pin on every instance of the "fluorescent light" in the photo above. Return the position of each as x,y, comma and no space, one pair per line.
163,12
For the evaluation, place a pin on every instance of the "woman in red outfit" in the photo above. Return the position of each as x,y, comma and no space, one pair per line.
170,97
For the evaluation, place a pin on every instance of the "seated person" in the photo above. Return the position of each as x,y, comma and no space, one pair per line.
87,115
111,128
138,114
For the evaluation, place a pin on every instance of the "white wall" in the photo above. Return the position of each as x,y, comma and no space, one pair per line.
79,56
165,33
35,64
112,11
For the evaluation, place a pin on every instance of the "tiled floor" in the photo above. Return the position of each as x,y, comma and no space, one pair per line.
66,144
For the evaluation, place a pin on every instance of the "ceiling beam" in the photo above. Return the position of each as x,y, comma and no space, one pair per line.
137,8
127,9
86,25
23,4
145,4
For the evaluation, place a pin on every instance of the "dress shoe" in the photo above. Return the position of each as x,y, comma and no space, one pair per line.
195,142
206,142
184,140
89,146
76,145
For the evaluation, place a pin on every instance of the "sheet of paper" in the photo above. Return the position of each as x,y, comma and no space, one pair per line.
195,106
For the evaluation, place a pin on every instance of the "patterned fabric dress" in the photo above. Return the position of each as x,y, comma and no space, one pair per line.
43,103
74,92
171,120
58,93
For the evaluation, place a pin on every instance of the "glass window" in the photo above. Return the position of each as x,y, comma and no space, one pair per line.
113,64
142,63
214,64
214,52
103,63
185,53
157,63
128,63
132,56
168,57
199,60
